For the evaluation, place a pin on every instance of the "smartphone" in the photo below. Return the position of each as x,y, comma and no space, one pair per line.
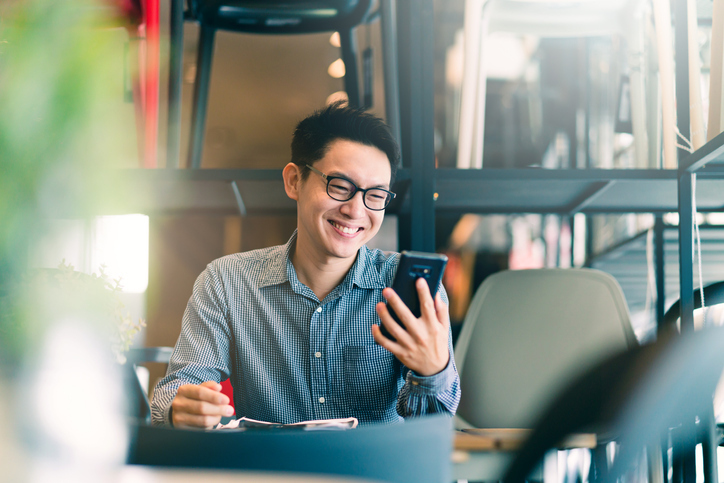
414,265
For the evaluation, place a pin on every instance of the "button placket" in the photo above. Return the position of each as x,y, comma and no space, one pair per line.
318,335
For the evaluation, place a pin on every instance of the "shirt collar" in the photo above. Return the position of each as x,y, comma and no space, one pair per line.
363,273
276,271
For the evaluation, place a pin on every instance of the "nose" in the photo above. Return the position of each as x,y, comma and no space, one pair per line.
354,207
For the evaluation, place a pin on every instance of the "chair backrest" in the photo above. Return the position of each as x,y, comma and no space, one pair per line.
417,451
139,407
527,333
280,16
635,397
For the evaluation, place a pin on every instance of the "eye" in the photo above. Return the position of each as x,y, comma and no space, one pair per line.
341,187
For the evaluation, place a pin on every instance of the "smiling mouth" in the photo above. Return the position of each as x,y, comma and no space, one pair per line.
345,230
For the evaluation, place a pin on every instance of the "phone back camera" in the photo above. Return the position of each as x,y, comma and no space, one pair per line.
418,271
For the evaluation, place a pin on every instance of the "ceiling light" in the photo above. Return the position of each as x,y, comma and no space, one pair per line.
335,40
336,69
337,96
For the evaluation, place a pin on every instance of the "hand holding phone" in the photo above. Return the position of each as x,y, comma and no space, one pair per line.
414,265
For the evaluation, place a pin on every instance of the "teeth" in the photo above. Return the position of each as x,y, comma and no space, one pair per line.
343,229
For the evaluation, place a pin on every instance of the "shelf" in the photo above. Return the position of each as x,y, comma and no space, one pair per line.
627,263
202,191
592,191
486,191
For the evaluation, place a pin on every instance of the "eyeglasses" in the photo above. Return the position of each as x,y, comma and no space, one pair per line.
342,189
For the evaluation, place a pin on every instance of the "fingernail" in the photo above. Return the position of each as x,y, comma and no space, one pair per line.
228,411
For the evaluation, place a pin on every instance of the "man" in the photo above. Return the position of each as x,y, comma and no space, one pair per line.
295,326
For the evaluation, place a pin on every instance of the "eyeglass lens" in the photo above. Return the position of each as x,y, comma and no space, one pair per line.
342,190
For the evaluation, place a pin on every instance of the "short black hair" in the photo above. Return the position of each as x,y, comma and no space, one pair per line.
314,134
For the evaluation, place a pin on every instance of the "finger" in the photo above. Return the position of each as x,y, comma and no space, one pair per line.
203,393
401,310
442,313
388,344
427,305
393,327
196,421
192,406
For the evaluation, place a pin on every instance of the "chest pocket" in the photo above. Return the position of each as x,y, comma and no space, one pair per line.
371,377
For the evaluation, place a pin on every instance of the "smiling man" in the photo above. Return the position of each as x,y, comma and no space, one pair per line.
295,326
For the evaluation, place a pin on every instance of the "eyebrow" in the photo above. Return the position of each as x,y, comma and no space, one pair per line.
337,174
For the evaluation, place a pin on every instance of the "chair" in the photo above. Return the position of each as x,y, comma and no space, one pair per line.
270,17
527,333
636,396
417,451
140,409
713,295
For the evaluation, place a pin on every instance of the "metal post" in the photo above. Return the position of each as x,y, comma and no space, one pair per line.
416,45
388,20
348,42
660,271
686,250
201,94
686,247
175,76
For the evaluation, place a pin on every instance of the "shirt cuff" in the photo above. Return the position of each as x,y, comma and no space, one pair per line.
431,385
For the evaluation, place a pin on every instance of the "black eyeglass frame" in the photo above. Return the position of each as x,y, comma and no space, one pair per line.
354,192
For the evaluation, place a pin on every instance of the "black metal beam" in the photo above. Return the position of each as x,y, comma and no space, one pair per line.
712,150
201,94
175,77
589,196
660,272
685,178
417,116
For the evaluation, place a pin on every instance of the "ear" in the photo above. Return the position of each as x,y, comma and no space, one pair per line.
292,175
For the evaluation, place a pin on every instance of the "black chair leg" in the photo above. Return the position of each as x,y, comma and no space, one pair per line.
348,43
201,94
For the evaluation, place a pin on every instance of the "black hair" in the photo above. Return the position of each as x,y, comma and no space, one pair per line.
314,134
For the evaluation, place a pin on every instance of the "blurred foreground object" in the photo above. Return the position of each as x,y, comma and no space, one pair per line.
59,122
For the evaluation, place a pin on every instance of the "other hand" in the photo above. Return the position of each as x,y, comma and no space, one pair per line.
422,345
200,406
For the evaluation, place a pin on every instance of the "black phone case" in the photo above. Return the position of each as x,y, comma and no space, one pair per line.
414,265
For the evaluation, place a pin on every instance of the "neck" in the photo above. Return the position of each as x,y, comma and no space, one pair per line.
320,274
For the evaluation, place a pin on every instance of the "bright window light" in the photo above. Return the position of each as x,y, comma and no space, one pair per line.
120,243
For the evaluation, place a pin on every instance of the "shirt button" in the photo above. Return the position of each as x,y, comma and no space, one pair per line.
317,355
321,400
415,383
319,309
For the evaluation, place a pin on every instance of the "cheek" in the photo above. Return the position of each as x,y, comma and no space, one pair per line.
377,219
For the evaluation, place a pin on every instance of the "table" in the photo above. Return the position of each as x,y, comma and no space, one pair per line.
147,474
485,454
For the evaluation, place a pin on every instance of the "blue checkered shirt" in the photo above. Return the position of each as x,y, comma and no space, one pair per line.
291,357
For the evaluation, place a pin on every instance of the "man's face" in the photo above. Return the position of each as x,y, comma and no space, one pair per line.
337,229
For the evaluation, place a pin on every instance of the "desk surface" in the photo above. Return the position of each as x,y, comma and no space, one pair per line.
501,439
138,474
